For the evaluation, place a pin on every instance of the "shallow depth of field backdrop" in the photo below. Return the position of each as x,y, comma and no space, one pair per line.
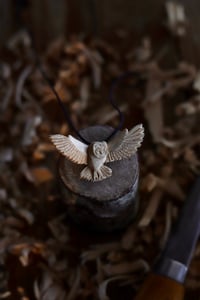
83,46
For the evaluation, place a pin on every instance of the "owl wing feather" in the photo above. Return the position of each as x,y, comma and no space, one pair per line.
70,147
125,144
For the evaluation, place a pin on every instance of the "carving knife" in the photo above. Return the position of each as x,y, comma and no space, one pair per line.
166,282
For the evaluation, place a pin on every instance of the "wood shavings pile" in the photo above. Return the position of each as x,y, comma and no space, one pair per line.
43,256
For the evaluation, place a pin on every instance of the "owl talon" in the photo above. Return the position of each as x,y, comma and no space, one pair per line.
97,175
103,173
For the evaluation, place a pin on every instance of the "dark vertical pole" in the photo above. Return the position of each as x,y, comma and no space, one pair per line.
6,20
74,19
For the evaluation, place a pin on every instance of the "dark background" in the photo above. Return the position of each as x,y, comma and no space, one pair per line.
48,19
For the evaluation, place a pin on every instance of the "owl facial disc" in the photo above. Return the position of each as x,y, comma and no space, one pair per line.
100,149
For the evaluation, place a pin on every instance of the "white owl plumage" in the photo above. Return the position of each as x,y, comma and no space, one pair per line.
123,145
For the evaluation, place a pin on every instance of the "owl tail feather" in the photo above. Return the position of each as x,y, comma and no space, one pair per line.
98,175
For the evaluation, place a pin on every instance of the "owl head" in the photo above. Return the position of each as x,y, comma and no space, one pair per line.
99,149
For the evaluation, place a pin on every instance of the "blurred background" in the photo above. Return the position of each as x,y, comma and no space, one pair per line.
50,19
83,45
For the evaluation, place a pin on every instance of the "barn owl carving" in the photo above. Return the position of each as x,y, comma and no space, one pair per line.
123,145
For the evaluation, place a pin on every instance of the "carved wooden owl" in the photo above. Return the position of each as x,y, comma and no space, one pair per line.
123,145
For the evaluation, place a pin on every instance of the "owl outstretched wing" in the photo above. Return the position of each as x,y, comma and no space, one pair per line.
70,147
125,143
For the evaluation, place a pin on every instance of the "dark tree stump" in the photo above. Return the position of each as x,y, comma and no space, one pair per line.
105,205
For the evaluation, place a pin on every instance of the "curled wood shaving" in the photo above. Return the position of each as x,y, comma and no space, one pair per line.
191,107
144,52
75,287
58,229
153,111
30,130
176,18
24,257
5,295
5,71
106,114
20,84
6,155
84,92
168,223
151,208
27,215
102,290
42,175
100,273
18,248
98,250
25,170
174,189
20,37
126,267
181,145
169,186
3,194
196,83
7,97
95,60
48,289
149,182
128,238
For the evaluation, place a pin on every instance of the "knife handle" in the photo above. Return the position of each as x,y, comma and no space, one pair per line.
157,287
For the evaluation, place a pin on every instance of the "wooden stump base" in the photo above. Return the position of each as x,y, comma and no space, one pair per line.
105,205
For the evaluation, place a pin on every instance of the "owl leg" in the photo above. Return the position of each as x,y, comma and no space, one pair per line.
103,173
90,175
96,175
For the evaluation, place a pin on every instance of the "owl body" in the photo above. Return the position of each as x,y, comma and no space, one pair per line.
97,155
124,144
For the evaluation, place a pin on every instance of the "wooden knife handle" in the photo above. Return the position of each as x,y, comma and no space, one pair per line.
157,287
